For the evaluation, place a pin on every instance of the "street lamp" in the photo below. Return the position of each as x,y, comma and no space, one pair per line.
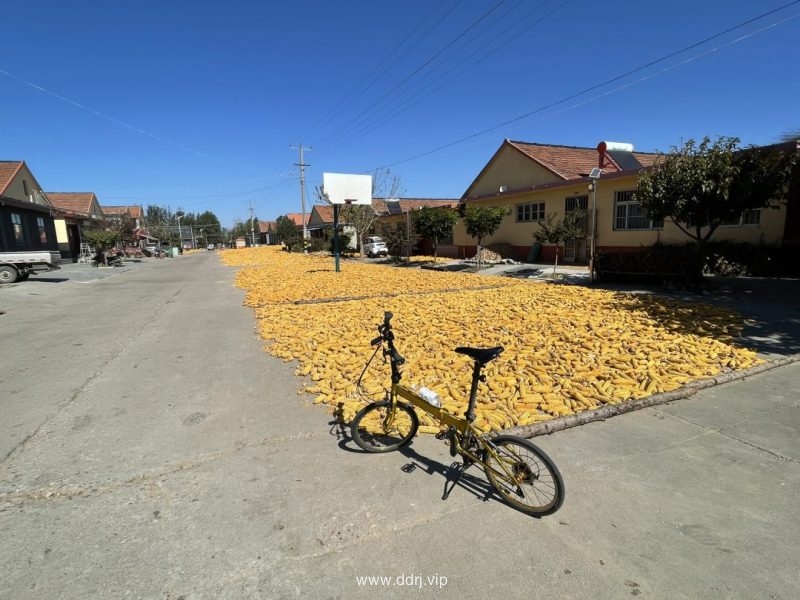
594,176
180,231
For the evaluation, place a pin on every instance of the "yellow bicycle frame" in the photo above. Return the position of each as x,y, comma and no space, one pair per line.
448,420
444,417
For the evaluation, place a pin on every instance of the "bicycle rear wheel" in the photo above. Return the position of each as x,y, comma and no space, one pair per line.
524,476
380,428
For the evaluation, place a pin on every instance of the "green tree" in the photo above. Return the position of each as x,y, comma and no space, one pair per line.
343,242
101,240
483,221
399,238
209,224
434,223
791,136
287,232
700,186
571,227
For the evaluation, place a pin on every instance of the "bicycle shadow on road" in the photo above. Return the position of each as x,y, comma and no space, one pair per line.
477,485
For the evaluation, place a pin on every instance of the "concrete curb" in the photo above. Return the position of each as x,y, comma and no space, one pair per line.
612,410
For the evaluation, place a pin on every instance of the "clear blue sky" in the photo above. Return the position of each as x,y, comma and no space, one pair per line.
197,104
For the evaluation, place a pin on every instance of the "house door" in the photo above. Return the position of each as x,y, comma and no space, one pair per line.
74,241
575,250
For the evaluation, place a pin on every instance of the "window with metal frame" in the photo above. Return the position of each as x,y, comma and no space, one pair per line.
629,214
19,231
42,230
531,211
751,217
748,217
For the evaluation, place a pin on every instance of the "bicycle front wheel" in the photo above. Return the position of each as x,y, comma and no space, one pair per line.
524,476
381,427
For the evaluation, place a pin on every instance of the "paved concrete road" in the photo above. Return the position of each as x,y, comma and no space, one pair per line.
151,449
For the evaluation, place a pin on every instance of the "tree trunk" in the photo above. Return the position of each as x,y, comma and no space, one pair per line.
555,264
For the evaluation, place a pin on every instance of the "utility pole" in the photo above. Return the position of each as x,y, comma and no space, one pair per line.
252,227
302,166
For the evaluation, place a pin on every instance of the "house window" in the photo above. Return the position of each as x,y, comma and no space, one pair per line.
42,230
751,217
532,211
629,214
576,203
19,232
748,217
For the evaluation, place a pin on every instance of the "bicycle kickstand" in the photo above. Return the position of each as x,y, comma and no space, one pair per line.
460,467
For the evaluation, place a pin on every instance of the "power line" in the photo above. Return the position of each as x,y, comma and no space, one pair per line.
344,128
340,106
116,121
406,104
618,77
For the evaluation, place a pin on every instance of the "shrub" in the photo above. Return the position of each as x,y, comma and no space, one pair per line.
344,244
725,259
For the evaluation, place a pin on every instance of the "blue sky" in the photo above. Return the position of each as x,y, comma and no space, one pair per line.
198,104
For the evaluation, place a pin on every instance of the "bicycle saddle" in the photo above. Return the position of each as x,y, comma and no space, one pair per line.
481,355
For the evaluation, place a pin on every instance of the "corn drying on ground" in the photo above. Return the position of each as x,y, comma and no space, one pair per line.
568,349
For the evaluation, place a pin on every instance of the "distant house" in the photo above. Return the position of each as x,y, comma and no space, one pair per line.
386,212
390,211
121,219
267,233
74,213
26,214
297,219
320,225
141,232
129,220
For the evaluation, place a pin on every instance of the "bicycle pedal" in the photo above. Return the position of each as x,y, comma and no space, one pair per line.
442,435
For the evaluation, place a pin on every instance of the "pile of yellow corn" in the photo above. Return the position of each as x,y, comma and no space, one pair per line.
567,349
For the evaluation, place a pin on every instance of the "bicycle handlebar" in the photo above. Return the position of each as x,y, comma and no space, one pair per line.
387,336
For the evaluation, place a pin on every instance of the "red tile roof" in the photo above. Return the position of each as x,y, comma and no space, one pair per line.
297,218
382,205
74,201
325,212
136,212
8,170
572,162
116,210
266,226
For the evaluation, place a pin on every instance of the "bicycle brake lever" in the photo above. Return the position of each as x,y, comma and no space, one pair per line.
376,341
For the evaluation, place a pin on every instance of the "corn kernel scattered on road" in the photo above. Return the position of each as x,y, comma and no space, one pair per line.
568,348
